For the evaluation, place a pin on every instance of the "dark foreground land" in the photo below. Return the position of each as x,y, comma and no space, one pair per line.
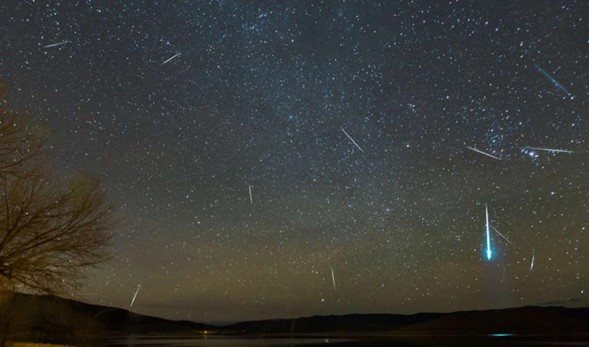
57,320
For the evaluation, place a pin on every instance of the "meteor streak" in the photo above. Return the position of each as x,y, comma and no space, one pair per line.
483,153
489,252
135,296
56,44
354,142
555,82
553,150
503,236
170,58
250,191
332,278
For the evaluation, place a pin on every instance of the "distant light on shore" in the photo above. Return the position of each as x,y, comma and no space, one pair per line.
501,335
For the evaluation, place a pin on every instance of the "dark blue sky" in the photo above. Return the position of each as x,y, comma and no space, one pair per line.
263,94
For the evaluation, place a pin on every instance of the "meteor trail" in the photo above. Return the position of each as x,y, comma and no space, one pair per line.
170,58
483,153
354,142
332,277
532,263
503,236
135,296
250,191
56,44
551,79
553,150
489,253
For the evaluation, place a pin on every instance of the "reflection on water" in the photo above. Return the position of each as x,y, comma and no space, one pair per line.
224,341
498,339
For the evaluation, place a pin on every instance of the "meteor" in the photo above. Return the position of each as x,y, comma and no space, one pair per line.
503,236
552,150
135,296
489,252
56,44
170,58
354,142
551,79
483,153
332,277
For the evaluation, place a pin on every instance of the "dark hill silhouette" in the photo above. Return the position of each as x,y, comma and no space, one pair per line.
50,318
523,320
325,324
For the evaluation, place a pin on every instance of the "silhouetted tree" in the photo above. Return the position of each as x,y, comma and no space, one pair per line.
48,233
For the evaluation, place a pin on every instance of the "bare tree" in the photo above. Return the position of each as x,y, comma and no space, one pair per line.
48,233
49,236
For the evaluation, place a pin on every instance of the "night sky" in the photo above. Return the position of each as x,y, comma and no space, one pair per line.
349,121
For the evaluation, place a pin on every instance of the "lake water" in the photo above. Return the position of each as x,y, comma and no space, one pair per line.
224,341
498,339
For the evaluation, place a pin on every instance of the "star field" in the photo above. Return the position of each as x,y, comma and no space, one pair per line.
349,121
